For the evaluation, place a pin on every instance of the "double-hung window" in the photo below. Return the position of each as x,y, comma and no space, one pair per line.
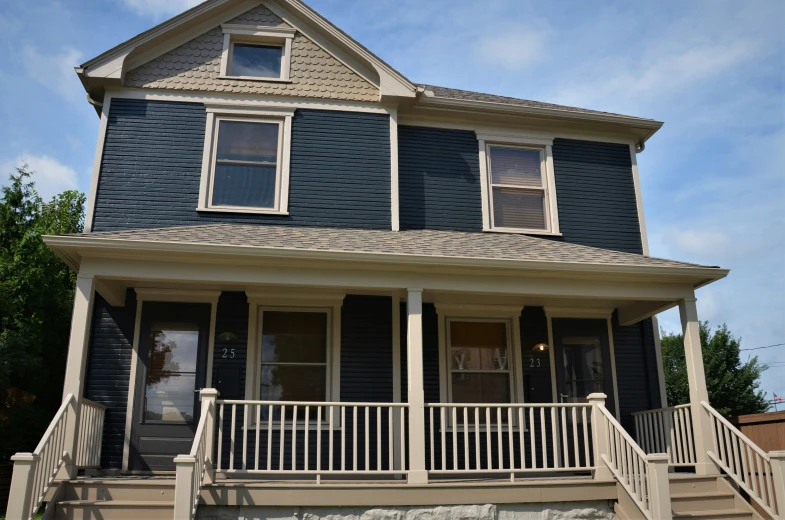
246,162
480,368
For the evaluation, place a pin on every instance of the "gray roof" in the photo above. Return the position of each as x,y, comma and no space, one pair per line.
424,242
467,95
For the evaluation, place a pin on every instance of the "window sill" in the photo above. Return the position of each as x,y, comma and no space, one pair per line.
252,211
256,78
524,232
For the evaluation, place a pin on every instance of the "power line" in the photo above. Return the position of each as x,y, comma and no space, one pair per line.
759,348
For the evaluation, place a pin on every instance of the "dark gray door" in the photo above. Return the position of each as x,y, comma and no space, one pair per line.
583,359
173,341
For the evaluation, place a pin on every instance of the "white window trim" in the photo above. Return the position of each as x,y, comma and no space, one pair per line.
258,35
218,113
545,147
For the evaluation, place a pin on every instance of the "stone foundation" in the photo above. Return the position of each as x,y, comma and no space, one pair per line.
555,511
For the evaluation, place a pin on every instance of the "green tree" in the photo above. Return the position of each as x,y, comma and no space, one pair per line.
733,385
36,299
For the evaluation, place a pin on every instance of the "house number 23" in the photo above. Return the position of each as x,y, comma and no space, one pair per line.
533,362
228,353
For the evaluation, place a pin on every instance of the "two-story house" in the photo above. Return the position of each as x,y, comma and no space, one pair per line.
307,282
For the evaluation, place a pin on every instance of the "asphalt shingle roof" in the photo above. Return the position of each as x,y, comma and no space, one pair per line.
424,242
468,95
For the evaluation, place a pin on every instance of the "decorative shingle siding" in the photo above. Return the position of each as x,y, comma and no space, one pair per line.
596,195
151,168
196,65
439,179
109,370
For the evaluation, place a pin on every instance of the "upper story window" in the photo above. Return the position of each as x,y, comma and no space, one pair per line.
245,165
256,53
519,191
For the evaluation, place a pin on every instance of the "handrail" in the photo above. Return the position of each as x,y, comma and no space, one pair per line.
667,430
91,432
192,468
748,465
35,472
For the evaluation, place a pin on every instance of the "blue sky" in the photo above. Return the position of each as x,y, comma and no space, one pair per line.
713,178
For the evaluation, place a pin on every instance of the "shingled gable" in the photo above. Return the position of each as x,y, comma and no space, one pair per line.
181,54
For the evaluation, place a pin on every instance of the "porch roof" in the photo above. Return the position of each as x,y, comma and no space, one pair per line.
411,247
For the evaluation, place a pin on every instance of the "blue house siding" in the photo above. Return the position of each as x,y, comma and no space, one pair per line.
339,173
109,369
439,179
596,195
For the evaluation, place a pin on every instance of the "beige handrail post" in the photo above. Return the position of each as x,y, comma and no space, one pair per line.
778,475
185,465
21,484
599,436
76,366
701,421
209,397
417,473
659,486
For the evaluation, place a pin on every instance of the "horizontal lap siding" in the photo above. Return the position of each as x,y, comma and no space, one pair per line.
109,370
339,172
230,355
439,179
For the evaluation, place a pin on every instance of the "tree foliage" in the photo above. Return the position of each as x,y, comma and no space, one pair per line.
36,300
733,385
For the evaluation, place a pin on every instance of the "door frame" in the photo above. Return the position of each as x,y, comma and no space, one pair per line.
601,313
173,296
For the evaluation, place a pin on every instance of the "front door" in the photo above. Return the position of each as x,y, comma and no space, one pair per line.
170,372
583,359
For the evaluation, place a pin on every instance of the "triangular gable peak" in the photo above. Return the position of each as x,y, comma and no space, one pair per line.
196,66
184,53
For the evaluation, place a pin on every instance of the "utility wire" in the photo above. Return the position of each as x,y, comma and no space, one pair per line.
760,348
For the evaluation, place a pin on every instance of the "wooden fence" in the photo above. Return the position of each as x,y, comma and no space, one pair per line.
767,430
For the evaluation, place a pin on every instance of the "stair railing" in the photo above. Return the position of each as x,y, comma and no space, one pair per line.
35,472
759,474
196,468
644,477
667,430
91,433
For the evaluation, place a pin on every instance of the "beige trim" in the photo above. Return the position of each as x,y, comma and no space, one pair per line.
416,395
132,386
552,355
579,312
208,376
523,139
612,350
394,183
485,181
259,35
639,200
176,295
97,160
658,356
258,30
396,377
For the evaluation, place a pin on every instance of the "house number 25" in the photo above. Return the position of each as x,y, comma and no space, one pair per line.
228,353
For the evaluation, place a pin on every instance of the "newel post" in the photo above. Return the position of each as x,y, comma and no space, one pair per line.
778,475
599,436
209,397
185,466
21,482
658,465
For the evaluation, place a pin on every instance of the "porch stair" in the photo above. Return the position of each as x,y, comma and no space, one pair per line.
115,499
696,497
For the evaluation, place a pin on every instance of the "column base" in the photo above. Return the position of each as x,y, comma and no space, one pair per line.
417,477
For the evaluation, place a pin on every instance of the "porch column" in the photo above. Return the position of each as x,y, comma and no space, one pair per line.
701,422
417,472
76,365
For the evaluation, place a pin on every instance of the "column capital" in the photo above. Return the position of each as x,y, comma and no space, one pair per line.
414,289
691,299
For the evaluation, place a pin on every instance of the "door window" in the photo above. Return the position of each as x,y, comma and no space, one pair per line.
583,368
171,378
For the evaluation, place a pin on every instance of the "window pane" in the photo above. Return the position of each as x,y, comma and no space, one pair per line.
173,349
238,141
250,186
261,61
516,167
294,383
170,397
518,209
294,337
583,371
480,388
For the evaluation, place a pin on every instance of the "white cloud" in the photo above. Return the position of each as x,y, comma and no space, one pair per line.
699,242
513,50
160,8
50,176
55,71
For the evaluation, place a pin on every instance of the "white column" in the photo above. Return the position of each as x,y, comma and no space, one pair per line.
701,421
76,365
396,379
417,472
599,436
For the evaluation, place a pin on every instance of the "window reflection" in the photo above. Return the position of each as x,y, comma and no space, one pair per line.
583,370
171,375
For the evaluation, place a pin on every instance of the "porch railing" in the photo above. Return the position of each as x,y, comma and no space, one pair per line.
667,430
508,438
761,475
35,472
311,438
91,430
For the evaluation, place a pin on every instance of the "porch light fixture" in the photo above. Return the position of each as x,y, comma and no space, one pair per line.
227,336
541,347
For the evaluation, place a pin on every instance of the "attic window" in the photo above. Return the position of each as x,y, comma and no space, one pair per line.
256,53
